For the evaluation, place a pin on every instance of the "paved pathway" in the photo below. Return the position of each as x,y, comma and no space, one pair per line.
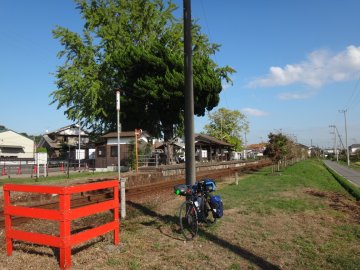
346,172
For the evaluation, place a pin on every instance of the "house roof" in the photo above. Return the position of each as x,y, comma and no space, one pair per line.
57,131
256,146
17,133
50,141
124,134
198,138
209,139
159,145
355,146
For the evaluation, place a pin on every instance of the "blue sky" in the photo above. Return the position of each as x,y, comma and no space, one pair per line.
297,63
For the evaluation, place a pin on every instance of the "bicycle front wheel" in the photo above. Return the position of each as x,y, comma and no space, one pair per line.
188,220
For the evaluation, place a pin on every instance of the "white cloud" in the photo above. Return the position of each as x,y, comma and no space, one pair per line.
319,68
296,95
254,112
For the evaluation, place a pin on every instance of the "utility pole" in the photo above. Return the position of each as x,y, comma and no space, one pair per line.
189,98
346,141
335,144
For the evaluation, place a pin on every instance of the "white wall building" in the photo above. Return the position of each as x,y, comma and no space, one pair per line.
15,145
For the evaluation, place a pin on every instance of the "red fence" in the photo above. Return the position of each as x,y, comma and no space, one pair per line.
64,216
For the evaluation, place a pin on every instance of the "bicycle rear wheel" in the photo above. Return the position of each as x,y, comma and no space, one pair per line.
188,220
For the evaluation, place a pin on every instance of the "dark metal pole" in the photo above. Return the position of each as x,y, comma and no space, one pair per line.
189,98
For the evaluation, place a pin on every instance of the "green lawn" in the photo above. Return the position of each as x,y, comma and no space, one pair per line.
328,235
264,191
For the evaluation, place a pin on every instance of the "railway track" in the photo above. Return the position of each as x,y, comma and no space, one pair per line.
134,193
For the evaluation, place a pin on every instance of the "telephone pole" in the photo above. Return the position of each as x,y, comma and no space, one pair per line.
346,141
189,98
335,144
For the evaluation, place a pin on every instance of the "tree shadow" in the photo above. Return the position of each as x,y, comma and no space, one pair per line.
167,219
240,251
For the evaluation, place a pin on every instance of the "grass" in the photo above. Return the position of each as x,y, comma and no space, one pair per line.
301,218
265,192
266,196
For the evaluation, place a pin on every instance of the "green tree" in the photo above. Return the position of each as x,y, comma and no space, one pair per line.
227,125
135,46
276,148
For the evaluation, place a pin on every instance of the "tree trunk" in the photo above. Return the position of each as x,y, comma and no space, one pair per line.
169,140
169,152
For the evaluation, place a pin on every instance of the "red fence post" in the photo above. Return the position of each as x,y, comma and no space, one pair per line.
64,215
65,231
8,240
116,215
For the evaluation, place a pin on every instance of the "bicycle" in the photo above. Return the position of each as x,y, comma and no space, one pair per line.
199,207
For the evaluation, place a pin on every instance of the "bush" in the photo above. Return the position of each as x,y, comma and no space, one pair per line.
41,150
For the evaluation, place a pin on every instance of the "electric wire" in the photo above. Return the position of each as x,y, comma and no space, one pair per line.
355,95
210,40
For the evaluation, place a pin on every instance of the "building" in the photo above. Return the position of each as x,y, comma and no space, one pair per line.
15,145
208,148
107,149
64,141
255,150
353,148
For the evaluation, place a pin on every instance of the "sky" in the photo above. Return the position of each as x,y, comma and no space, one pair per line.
297,64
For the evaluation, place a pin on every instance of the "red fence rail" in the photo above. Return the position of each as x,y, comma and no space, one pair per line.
64,215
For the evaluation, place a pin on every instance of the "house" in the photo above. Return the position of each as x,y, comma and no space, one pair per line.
15,145
353,148
64,141
107,149
208,148
178,150
255,150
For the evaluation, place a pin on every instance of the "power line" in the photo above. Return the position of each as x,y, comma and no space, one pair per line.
354,95
210,40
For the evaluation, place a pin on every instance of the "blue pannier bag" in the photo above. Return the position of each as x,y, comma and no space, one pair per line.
209,184
217,206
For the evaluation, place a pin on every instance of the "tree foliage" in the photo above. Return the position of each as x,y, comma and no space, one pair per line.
277,147
135,46
282,150
227,125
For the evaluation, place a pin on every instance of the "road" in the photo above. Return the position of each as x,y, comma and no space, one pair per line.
350,174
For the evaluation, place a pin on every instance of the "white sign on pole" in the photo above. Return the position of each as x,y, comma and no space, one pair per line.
118,100
80,154
41,158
